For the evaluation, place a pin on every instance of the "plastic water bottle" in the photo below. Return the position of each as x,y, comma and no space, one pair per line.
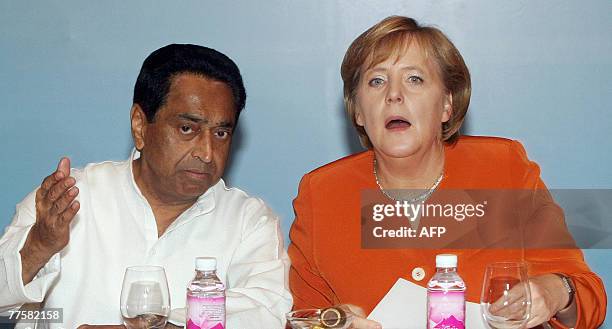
446,295
206,297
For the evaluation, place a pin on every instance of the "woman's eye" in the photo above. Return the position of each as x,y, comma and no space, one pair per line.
376,82
415,79
185,130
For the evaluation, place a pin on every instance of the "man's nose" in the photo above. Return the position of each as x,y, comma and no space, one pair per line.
203,148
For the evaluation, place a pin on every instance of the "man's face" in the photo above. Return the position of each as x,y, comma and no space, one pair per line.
185,149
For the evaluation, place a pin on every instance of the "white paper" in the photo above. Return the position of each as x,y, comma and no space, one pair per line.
405,307
177,317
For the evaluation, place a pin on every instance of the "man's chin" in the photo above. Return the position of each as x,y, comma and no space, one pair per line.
194,191
197,188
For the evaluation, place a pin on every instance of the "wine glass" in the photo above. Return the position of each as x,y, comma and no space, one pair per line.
505,302
145,300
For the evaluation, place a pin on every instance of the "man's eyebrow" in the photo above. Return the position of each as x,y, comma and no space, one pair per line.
192,118
198,119
225,124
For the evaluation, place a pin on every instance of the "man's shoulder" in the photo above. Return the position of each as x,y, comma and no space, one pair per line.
100,170
235,198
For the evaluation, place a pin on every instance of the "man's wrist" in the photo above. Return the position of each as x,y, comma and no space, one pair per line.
33,247
34,254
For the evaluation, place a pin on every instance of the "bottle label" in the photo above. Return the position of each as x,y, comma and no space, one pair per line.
205,313
446,310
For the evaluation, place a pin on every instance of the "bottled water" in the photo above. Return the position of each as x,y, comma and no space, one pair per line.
446,295
206,297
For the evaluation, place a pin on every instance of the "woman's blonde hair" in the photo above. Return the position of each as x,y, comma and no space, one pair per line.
390,37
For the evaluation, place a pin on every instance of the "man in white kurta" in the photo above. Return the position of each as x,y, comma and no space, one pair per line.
115,228
71,239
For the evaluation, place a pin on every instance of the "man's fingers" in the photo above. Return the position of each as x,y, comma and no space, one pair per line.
48,182
62,202
60,188
64,166
62,171
55,208
67,216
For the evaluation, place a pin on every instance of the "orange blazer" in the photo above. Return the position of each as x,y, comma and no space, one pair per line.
329,266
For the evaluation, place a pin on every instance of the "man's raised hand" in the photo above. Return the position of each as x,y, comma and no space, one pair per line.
55,208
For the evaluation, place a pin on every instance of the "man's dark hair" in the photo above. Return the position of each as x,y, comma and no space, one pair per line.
153,82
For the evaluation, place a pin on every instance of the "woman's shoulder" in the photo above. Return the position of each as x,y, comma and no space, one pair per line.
347,169
483,141
490,162
488,146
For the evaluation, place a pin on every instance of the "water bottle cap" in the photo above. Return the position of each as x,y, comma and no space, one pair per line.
206,263
446,260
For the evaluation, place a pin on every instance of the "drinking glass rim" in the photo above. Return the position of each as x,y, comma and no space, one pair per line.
145,268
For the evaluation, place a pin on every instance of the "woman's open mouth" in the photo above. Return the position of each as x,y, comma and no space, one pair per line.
397,123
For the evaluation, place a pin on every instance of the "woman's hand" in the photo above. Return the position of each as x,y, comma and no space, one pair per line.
548,297
359,318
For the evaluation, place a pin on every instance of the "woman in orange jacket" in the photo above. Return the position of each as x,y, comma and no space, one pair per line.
407,91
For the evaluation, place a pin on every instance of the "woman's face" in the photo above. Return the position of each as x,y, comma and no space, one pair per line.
401,104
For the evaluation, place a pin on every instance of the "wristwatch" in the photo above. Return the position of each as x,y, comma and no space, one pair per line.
569,287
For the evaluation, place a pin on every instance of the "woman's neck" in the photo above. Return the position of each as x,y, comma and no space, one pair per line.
418,171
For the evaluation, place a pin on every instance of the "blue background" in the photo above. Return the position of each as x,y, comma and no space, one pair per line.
541,74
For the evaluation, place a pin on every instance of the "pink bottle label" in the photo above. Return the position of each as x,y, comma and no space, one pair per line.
446,310
205,313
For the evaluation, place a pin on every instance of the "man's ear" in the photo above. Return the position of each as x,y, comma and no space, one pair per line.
448,108
139,126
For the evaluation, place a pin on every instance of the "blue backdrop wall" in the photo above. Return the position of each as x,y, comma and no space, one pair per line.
541,74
